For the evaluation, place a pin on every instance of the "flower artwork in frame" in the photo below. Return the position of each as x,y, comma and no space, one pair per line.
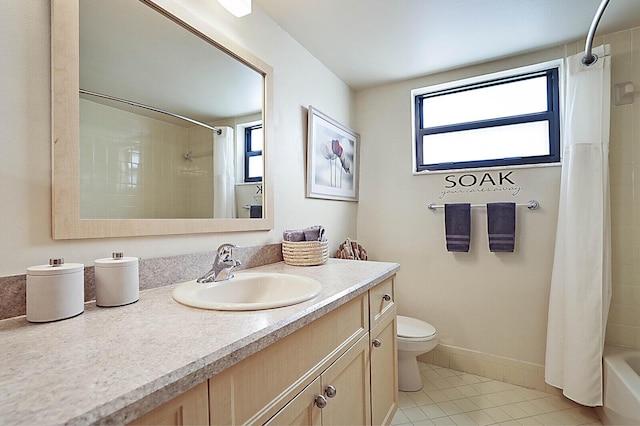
332,159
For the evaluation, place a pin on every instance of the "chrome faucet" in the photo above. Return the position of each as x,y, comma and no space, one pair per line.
222,266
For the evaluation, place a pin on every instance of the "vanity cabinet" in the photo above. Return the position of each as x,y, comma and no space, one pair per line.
190,408
338,369
384,370
339,395
384,352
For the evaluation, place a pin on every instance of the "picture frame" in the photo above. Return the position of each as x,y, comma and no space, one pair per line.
333,159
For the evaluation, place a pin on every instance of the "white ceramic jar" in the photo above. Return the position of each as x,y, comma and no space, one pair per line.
55,291
117,281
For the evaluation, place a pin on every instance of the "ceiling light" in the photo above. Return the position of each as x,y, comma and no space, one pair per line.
238,8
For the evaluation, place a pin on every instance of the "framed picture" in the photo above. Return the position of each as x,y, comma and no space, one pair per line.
333,159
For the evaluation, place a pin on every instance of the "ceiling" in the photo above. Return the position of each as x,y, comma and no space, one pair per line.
372,42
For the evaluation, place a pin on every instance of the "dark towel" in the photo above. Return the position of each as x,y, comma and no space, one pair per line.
501,220
457,224
255,211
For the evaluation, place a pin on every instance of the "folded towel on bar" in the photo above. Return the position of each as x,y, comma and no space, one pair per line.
255,211
501,225
312,233
457,224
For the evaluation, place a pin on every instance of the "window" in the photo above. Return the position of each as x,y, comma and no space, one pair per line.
511,119
253,142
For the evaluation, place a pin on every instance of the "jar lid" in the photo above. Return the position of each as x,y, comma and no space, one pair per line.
55,267
116,261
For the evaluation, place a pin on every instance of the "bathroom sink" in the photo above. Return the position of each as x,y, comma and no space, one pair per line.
248,291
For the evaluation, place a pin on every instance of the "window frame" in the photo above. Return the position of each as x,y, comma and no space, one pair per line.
248,152
554,72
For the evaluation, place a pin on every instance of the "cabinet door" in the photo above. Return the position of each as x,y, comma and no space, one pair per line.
384,371
190,408
345,385
302,410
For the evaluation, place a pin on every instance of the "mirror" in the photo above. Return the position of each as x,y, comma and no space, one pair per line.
155,142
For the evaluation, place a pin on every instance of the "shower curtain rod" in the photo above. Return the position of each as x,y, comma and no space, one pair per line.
136,104
589,58
531,205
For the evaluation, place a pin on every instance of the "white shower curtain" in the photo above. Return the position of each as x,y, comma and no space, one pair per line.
581,278
224,202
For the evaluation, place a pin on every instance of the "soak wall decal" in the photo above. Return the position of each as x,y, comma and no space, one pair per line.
487,182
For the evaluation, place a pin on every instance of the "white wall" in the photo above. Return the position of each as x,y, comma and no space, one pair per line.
25,153
494,303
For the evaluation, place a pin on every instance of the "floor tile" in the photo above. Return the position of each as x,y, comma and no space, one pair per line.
451,397
514,411
432,411
437,396
414,414
482,401
400,419
470,378
462,419
466,405
424,423
498,414
453,393
404,400
443,421
420,398
468,390
441,383
530,408
449,408
481,418
527,421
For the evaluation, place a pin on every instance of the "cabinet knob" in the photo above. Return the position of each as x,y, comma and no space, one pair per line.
376,343
386,297
321,401
330,391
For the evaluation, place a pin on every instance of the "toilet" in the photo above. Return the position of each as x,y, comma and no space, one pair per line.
415,338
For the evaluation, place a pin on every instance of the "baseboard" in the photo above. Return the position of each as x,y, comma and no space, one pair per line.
507,370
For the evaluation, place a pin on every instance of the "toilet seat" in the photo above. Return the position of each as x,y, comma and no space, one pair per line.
414,329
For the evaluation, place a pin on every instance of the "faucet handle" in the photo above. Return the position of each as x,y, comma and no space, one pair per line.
225,251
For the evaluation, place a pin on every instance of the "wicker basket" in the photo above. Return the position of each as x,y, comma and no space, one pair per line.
305,253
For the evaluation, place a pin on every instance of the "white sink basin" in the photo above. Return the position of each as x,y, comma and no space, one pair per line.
248,291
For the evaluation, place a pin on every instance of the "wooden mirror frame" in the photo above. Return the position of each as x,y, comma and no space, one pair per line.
65,147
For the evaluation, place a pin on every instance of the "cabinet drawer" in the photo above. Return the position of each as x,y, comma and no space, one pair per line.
381,301
268,379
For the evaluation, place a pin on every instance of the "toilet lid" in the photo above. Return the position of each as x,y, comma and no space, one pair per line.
413,328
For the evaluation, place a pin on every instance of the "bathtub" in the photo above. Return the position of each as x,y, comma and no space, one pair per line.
621,386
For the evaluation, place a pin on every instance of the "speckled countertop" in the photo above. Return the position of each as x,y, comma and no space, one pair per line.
111,365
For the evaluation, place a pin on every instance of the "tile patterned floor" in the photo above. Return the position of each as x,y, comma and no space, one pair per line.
452,397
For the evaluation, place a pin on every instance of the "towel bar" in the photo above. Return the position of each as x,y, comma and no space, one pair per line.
531,205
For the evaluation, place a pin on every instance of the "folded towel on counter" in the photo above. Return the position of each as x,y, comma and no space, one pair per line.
457,223
294,236
312,233
501,225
